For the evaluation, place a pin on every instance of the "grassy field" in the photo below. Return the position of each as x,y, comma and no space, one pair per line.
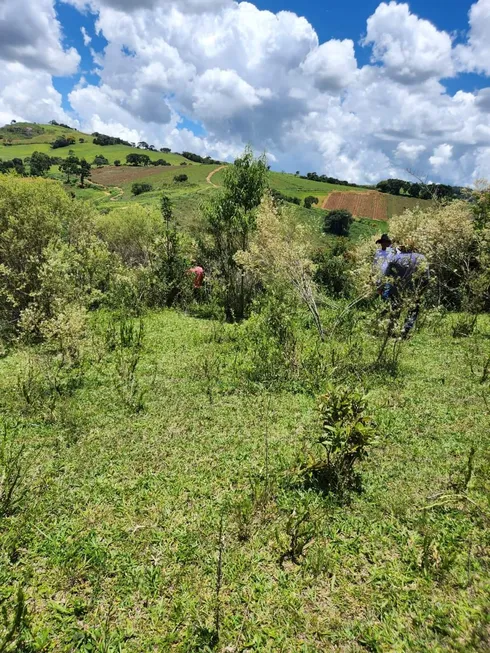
24,147
398,204
117,544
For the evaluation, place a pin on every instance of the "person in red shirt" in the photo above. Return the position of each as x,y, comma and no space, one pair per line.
198,273
198,279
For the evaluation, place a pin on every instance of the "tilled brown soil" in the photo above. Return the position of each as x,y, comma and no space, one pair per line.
370,204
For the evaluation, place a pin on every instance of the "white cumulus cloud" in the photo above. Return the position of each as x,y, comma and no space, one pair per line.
475,55
410,48
30,34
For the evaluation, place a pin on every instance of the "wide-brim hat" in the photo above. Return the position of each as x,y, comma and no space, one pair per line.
384,239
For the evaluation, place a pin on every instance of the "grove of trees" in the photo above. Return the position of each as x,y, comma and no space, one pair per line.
136,159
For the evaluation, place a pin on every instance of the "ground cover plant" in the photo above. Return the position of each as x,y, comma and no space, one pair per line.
176,478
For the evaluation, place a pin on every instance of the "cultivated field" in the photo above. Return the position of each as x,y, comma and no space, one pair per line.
371,204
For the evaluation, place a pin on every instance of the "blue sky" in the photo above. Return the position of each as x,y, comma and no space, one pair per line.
213,75
340,20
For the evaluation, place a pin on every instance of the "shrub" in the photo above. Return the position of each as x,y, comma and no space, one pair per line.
309,201
130,233
139,188
230,221
100,161
63,141
338,222
117,163
455,247
49,254
181,178
13,486
347,433
278,257
333,270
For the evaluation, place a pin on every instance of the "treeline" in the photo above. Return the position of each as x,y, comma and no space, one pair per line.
59,124
63,141
196,158
280,197
312,176
419,190
104,139
39,163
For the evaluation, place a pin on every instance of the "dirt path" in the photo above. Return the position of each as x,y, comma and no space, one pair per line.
211,175
106,192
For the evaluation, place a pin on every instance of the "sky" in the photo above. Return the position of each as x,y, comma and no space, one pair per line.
360,89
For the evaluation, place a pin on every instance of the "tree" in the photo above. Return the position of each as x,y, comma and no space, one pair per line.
338,222
278,257
181,178
171,263
230,219
165,150
143,145
40,164
70,167
117,163
84,171
414,190
100,161
137,159
81,140
62,141
139,188
309,201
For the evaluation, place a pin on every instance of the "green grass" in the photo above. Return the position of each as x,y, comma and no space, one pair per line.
398,204
291,185
117,544
25,147
86,151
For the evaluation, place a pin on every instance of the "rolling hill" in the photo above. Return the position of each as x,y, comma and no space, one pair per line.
110,185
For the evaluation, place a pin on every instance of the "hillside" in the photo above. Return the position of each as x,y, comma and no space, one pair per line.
23,146
110,186
263,456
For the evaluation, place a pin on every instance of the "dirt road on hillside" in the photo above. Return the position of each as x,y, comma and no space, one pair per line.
211,175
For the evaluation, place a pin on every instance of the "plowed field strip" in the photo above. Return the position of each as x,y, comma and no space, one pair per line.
371,205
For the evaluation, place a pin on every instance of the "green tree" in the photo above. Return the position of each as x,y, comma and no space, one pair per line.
139,188
338,222
117,163
135,159
230,218
84,171
309,201
40,164
171,263
100,161
70,167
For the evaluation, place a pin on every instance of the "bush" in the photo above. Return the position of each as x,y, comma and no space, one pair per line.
347,433
181,178
309,201
49,255
333,270
100,161
63,141
130,233
139,188
448,235
117,163
338,222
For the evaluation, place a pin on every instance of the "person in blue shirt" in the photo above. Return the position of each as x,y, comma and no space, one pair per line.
404,273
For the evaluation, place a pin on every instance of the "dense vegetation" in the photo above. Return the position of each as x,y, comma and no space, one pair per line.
104,140
419,189
256,464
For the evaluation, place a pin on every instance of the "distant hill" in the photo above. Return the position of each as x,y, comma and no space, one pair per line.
112,185
20,140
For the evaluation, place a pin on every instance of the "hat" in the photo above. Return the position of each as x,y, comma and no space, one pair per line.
384,239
